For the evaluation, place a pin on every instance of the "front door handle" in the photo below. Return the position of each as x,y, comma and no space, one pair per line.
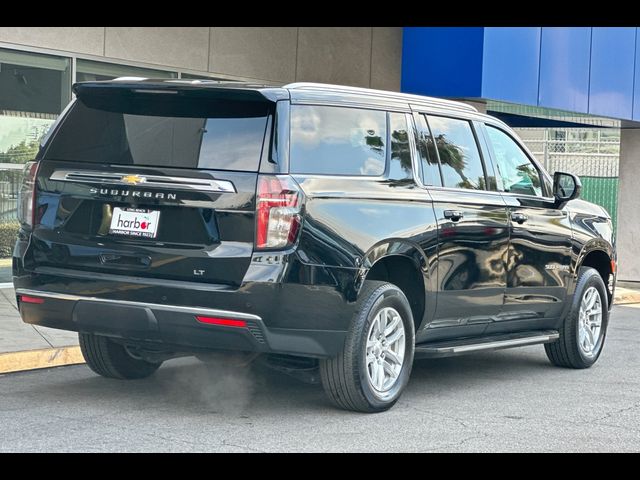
453,215
519,217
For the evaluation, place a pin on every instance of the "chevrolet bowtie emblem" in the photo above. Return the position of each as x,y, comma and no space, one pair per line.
133,179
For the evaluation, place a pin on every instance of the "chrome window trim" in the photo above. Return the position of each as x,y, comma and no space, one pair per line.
147,181
153,306
360,104
466,190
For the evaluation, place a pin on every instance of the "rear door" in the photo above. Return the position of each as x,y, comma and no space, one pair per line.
473,235
152,183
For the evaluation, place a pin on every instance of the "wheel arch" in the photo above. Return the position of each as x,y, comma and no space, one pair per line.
599,255
405,265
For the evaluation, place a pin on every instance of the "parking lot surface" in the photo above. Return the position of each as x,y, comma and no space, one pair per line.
510,400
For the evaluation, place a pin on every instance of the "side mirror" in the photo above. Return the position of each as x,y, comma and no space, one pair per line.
566,187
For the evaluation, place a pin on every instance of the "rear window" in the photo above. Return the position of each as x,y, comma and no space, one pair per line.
337,140
181,133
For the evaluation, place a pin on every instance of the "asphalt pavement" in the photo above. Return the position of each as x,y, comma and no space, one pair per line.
510,400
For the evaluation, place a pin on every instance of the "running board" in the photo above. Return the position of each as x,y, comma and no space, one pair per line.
458,347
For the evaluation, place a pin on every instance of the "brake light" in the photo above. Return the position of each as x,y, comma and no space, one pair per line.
278,219
27,194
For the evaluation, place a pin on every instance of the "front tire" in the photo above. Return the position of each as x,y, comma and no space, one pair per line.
584,329
373,368
112,360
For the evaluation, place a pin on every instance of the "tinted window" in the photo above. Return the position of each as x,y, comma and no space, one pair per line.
458,151
231,141
515,169
428,155
337,141
400,167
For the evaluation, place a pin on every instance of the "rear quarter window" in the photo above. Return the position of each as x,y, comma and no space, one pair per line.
337,140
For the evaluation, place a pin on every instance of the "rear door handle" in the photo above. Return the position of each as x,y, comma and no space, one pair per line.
519,217
453,215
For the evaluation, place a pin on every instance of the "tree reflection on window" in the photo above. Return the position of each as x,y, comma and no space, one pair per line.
459,156
400,167
337,140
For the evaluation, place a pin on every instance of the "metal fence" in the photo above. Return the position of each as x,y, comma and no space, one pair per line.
593,154
10,178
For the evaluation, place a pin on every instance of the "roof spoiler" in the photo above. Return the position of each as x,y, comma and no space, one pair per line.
176,98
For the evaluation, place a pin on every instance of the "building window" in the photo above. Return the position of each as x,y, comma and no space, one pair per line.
90,71
34,89
191,76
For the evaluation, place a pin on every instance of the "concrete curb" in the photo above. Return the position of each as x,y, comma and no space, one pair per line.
625,296
44,358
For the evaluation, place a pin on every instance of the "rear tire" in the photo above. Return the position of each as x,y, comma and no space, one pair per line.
352,379
569,350
112,360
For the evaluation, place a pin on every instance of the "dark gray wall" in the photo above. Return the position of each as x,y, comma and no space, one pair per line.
359,56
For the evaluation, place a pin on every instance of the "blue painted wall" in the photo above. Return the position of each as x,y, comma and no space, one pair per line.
511,64
613,53
580,69
565,55
447,59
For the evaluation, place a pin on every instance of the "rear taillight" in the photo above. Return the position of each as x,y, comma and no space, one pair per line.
279,202
27,194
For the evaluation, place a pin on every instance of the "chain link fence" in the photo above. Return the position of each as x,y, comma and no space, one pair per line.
591,153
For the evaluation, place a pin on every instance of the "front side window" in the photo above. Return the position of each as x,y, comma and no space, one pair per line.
337,140
460,160
515,169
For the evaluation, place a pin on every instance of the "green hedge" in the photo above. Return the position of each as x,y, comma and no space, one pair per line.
8,236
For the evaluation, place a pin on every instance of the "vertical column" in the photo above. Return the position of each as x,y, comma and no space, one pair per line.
628,235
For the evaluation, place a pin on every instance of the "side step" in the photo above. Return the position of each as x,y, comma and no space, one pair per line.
458,347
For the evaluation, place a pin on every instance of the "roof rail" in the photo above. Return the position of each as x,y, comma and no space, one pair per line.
369,91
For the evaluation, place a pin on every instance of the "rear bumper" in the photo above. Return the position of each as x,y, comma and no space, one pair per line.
288,306
172,327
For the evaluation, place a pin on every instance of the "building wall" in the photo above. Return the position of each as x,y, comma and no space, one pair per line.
358,56
591,70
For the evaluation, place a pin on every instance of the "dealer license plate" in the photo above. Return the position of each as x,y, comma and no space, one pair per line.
134,222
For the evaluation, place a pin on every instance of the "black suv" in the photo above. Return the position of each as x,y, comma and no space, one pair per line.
345,228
